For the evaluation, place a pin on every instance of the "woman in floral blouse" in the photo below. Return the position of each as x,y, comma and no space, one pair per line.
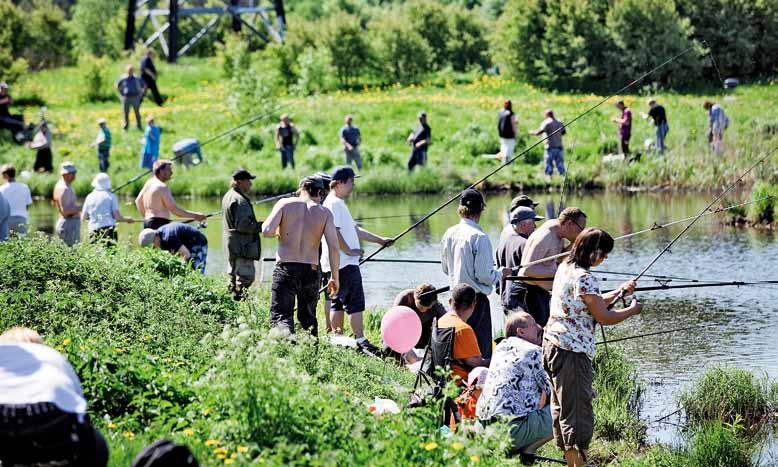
568,343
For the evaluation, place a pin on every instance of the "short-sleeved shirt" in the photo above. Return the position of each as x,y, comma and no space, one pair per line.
508,255
172,236
625,126
516,379
129,86
570,325
421,133
549,126
18,196
351,135
465,342
99,206
657,112
406,298
341,217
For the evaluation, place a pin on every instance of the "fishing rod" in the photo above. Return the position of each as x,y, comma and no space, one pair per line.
393,216
694,286
264,200
648,334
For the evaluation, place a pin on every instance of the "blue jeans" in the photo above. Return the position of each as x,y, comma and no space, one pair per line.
555,156
287,156
198,254
102,158
661,133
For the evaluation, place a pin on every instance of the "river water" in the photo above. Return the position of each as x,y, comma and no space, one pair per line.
737,325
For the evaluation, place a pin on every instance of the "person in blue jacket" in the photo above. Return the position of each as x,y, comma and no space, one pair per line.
151,139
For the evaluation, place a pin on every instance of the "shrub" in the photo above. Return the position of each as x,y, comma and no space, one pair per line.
763,210
95,83
234,56
475,140
467,45
251,94
12,38
315,72
718,445
348,47
431,20
402,54
50,43
99,26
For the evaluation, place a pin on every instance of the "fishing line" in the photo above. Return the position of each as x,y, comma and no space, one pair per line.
264,200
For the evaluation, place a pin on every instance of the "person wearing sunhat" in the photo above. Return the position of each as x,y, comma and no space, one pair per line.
241,233
467,258
178,238
68,226
101,211
510,248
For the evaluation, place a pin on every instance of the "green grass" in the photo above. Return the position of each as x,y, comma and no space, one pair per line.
462,116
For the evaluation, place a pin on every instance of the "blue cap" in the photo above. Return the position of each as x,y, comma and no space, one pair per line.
343,173
523,213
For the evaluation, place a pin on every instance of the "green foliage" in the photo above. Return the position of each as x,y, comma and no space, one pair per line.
467,45
12,38
50,43
431,20
475,139
252,94
403,55
234,56
718,445
95,83
315,72
99,26
349,50
616,408
763,211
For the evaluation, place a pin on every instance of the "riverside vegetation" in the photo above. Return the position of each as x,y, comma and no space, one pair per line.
164,352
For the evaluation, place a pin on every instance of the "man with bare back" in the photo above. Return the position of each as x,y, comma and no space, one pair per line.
155,201
299,223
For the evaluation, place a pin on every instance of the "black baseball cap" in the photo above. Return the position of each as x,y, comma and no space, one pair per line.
343,173
317,181
242,174
472,199
522,200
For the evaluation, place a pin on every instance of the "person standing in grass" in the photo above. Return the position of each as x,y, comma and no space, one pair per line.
181,239
148,73
287,137
518,388
155,201
351,296
131,90
18,196
299,224
534,295
41,143
419,140
101,211
151,140
658,114
569,342
351,138
510,249
467,258
718,122
68,226
241,234
554,153
624,123
506,128
103,144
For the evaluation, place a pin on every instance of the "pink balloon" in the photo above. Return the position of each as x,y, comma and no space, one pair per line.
400,329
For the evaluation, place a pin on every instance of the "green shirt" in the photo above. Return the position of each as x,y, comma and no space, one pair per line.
106,144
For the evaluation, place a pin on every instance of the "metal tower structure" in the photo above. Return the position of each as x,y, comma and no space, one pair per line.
267,23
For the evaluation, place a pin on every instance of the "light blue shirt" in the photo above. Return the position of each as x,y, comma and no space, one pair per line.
99,207
152,137
467,257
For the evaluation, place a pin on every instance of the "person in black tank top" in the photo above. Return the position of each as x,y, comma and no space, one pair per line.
287,138
506,128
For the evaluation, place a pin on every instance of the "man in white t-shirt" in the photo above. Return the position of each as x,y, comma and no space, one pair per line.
351,296
18,196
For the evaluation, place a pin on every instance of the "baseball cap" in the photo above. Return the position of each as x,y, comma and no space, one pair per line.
522,200
324,177
100,121
472,198
242,174
146,237
316,181
343,173
523,213
67,167
3,85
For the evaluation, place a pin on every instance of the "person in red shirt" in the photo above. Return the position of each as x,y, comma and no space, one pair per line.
465,354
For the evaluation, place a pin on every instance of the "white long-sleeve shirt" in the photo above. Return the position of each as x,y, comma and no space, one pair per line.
467,257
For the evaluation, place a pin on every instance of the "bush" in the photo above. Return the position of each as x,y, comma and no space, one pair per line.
315,72
251,94
475,140
431,20
234,56
12,38
99,26
50,44
718,445
763,211
467,45
348,47
95,83
402,54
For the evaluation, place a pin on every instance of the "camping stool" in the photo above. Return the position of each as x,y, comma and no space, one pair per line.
188,151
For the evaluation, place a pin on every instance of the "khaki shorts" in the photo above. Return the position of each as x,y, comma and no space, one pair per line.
571,396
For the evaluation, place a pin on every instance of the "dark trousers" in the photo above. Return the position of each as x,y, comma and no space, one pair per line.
102,159
624,140
294,281
287,156
151,84
155,222
43,160
418,157
13,123
533,299
481,322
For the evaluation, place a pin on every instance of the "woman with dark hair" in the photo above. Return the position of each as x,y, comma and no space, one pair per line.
506,127
568,343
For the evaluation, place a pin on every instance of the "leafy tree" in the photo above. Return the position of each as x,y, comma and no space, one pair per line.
467,45
402,53
349,50
50,44
519,35
12,38
315,71
99,26
430,20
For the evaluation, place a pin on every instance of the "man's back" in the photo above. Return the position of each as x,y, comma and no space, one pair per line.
542,243
18,196
301,230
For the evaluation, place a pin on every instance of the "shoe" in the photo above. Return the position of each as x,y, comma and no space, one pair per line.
369,349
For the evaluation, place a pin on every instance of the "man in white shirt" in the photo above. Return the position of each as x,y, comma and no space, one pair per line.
351,296
18,196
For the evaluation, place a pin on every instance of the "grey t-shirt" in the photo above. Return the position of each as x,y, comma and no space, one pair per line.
548,127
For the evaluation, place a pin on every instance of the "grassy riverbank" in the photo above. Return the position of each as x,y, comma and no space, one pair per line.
461,111
163,352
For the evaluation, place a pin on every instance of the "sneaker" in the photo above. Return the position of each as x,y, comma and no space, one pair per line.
369,349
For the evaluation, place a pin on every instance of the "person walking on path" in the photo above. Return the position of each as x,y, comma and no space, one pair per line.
181,239
41,143
419,140
658,114
101,211
507,129
299,224
351,138
534,295
103,145
241,234
351,296
718,122
148,73
68,227
625,126
467,258
18,196
131,90
554,153
151,141
155,201
510,249
287,137
569,342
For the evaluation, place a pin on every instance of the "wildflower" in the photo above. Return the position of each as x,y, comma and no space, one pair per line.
229,461
66,341
129,435
475,459
118,350
218,451
243,449
111,425
457,446
206,412
431,446
211,442
189,432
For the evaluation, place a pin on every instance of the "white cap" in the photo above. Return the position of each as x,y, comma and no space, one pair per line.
101,182
146,237
100,121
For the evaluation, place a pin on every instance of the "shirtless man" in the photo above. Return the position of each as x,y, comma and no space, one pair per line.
299,224
69,223
155,201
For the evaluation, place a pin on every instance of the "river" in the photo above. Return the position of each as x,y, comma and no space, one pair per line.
737,325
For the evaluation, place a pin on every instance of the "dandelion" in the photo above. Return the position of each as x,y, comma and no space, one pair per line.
457,446
189,432
118,350
219,451
129,435
206,412
229,461
66,341
475,459
211,442
111,425
243,449
431,446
